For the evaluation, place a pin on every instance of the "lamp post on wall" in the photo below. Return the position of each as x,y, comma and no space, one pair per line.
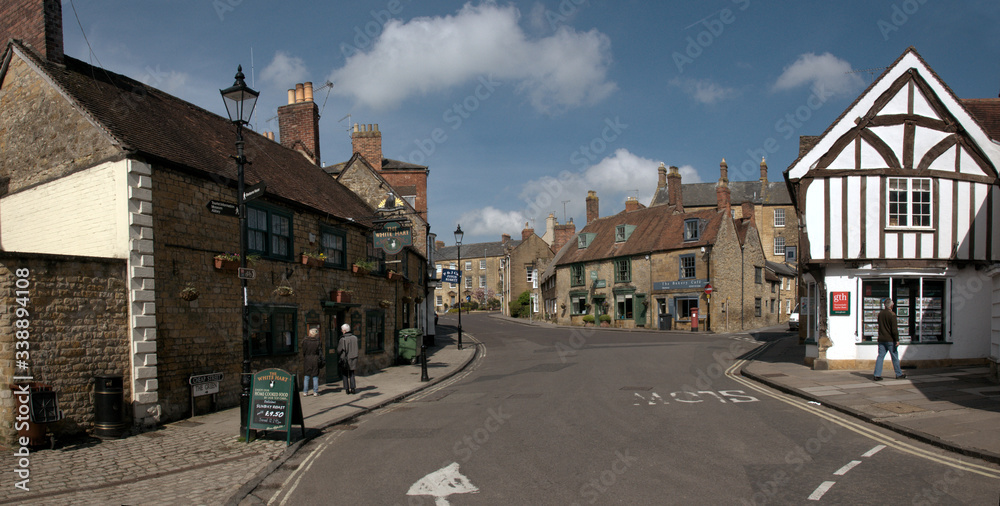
240,101
458,242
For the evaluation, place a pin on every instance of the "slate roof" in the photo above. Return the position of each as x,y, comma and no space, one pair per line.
387,164
150,124
656,229
474,250
703,194
780,268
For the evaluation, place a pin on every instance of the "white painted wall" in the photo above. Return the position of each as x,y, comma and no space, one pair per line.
84,214
966,301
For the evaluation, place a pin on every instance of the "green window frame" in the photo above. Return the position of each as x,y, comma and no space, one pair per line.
623,270
624,303
273,330
758,275
269,232
374,331
578,303
333,242
576,275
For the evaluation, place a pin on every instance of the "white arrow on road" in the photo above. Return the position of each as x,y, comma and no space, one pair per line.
442,483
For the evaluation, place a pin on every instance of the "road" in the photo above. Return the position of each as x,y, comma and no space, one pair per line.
591,416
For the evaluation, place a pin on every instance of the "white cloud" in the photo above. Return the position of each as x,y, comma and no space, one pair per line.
824,72
704,90
284,71
614,178
491,221
429,54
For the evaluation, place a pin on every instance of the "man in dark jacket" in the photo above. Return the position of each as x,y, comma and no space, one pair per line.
312,361
888,340
347,350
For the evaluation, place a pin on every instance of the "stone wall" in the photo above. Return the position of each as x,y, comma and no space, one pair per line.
205,335
45,138
77,328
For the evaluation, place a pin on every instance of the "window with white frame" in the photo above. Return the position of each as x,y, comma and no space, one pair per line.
440,300
468,281
482,265
530,271
909,202
779,246
779,217
468,265
482,281
534,303
534,278
453,266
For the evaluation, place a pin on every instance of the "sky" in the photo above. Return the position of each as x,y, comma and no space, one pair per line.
519,108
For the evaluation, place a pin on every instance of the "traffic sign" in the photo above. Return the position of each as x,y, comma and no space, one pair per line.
223,208
708,288
247,273
254,191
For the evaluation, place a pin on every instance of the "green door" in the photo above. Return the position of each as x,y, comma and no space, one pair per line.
640,310
333,323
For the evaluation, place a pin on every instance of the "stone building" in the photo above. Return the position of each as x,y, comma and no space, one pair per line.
105,175
644,263
522,266
482,268
899,199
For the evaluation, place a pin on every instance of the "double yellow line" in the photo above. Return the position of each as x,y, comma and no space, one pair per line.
862,429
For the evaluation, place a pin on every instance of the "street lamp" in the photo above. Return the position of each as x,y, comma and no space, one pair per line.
240,101
458,242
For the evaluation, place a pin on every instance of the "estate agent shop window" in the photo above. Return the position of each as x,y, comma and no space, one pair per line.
919,304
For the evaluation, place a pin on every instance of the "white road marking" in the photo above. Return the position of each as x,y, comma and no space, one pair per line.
442,483
820,490
843,470
873,451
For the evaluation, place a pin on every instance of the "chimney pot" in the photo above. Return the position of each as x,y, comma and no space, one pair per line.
308,91
674,189
299,93
662,171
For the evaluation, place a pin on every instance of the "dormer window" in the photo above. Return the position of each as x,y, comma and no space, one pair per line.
692,229
622,232
584,240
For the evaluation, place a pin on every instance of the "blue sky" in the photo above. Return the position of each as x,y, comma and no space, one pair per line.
520,107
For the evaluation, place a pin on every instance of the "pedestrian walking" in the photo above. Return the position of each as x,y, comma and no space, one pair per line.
312,360
347,350
888,340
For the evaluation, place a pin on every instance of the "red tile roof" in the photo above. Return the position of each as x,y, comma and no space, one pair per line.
986,111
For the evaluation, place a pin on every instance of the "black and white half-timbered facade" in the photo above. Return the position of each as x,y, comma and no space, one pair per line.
899,198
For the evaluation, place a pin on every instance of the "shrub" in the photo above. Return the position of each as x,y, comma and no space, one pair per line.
605,318
588,318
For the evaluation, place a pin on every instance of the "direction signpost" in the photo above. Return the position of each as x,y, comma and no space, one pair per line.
223,208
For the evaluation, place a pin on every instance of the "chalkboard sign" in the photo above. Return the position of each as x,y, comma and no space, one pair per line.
274,403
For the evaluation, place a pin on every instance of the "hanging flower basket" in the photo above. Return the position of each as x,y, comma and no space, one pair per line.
284,291
407,299
384,303
222,264
312,261
189,293
341,296
393,276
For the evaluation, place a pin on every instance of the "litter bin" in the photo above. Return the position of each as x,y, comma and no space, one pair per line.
108,390
407,345
666,321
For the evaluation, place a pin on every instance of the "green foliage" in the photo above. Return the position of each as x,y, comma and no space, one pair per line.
605,318
588,318
519,308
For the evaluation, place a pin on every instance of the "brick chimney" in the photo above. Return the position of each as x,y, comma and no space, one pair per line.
527,232
438,244
662,171
593,212
723,195
763,180
37,23
674,189
367,140
747,211
632,204
505,238
298,122
563,233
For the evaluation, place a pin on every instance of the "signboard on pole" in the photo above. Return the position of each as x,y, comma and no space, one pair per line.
254,191
274,403
451,276
393,237
223,208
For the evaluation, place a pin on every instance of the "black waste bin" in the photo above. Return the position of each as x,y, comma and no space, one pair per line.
666,321
108,391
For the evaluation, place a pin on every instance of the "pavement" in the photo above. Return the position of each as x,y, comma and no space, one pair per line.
201,461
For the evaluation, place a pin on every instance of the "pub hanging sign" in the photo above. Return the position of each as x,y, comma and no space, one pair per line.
393,237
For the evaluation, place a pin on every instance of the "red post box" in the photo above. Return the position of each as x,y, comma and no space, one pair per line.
694,319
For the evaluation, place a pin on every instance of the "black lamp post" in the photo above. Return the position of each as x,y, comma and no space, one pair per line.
240,101
458,242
